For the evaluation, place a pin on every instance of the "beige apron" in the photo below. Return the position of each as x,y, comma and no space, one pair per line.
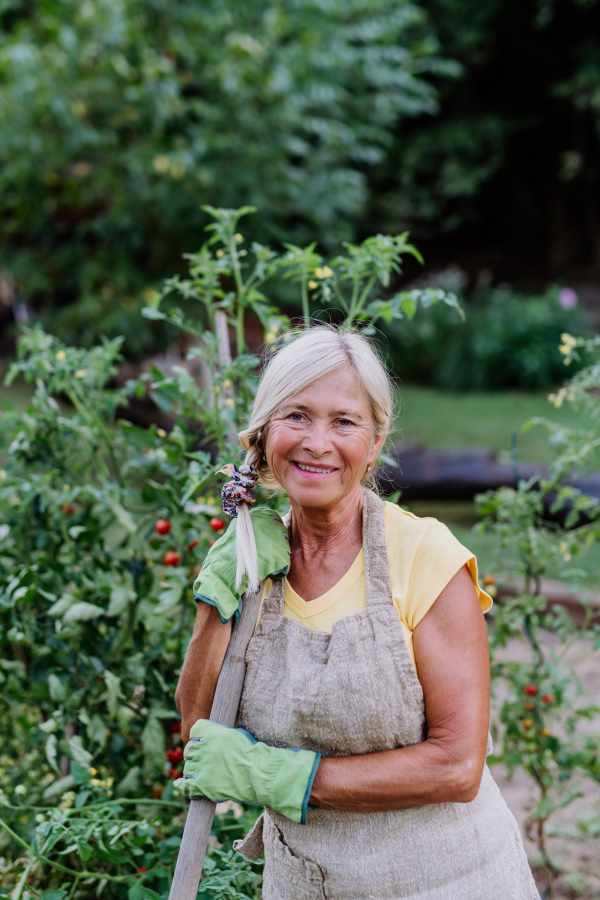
356,691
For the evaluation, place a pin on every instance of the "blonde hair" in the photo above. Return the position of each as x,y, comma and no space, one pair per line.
301,359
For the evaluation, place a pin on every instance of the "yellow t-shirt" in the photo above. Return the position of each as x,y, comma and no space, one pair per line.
423,555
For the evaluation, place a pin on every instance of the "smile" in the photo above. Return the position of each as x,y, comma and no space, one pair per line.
320,470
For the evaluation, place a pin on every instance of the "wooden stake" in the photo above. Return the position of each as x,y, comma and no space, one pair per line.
188,870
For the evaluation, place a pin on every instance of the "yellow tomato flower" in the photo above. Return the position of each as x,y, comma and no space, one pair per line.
323,272
3,474
227,383
230,402
161,164
219,253
61,355
239,238
80,373
92,771
177,170
270,337
312,284
161,432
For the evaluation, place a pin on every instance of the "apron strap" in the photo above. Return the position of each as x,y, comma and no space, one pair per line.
377,567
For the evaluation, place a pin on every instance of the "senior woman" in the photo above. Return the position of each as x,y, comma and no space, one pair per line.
363,725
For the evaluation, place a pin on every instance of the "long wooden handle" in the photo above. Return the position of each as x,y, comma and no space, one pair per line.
224,711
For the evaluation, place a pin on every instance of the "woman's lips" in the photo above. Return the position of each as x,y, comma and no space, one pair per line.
320,473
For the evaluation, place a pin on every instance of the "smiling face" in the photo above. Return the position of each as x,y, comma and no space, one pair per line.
322,439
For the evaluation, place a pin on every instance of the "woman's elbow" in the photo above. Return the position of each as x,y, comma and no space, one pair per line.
466,780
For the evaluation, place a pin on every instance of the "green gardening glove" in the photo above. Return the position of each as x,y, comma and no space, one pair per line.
216,582
229,764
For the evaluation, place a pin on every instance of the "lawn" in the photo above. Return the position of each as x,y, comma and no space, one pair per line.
442,420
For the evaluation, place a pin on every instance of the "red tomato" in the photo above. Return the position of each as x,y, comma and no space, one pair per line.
547,698
529,706
530,689
142,868
175,727
217,524
193,544
175,756
211,542
67,509
162,526
171,558
489,580
174,773
157,791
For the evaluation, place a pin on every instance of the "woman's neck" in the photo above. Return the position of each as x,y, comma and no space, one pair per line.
317,532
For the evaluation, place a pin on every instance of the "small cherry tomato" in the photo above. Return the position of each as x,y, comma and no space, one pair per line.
171,558
174,773
162,526
547,698
142,868
546,732
531,689
175,756
217,524
68,509
175,727
489,580
529,706
527,723
193,544
157,791
212,541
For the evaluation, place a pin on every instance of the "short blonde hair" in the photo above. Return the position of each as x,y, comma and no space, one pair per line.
300,360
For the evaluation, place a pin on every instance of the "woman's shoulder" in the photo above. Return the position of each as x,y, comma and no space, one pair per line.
415,536
401,523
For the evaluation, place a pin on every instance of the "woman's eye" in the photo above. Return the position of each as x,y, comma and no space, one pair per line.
295,417
345,422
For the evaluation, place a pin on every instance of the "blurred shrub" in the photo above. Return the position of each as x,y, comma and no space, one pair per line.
508,340
119,119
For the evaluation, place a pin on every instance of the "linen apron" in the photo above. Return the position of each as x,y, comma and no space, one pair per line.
356,691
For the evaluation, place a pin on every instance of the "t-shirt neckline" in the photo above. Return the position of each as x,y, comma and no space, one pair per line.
308,608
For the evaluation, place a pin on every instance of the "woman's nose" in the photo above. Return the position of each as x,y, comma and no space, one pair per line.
317,439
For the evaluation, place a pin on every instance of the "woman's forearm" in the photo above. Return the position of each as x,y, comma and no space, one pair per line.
201,667
398,779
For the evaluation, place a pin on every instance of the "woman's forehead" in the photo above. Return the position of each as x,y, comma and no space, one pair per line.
335,393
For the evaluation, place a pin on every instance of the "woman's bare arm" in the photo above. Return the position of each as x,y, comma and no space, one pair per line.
201,667
452,656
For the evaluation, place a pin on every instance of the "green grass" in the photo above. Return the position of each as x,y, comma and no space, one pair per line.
443,420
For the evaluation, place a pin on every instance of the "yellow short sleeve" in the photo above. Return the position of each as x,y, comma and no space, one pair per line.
424,556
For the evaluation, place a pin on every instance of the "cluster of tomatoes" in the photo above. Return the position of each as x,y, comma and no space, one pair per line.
173,557
531,690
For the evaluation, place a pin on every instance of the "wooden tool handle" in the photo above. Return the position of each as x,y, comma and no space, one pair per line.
224,711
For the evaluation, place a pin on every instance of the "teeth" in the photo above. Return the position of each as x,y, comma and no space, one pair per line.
312,469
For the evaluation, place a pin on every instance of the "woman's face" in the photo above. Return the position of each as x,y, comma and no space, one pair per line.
322,439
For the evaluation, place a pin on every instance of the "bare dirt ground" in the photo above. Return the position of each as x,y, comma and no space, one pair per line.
579,861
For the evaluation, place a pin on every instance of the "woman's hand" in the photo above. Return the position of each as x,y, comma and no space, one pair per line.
452,656
201,668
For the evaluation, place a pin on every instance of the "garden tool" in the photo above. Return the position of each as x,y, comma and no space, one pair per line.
224,711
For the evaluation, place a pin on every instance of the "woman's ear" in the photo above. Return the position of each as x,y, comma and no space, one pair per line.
377,445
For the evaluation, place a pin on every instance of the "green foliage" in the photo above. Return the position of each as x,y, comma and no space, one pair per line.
507,341
119,119
546,704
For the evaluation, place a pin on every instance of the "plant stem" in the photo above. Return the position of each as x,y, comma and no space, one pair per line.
304,289
84,873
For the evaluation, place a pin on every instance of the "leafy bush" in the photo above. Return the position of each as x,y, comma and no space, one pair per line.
119,119
507,340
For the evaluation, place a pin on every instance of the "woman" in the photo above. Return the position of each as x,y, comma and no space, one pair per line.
371,657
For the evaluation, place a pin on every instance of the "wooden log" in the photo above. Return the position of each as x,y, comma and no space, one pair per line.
190,860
